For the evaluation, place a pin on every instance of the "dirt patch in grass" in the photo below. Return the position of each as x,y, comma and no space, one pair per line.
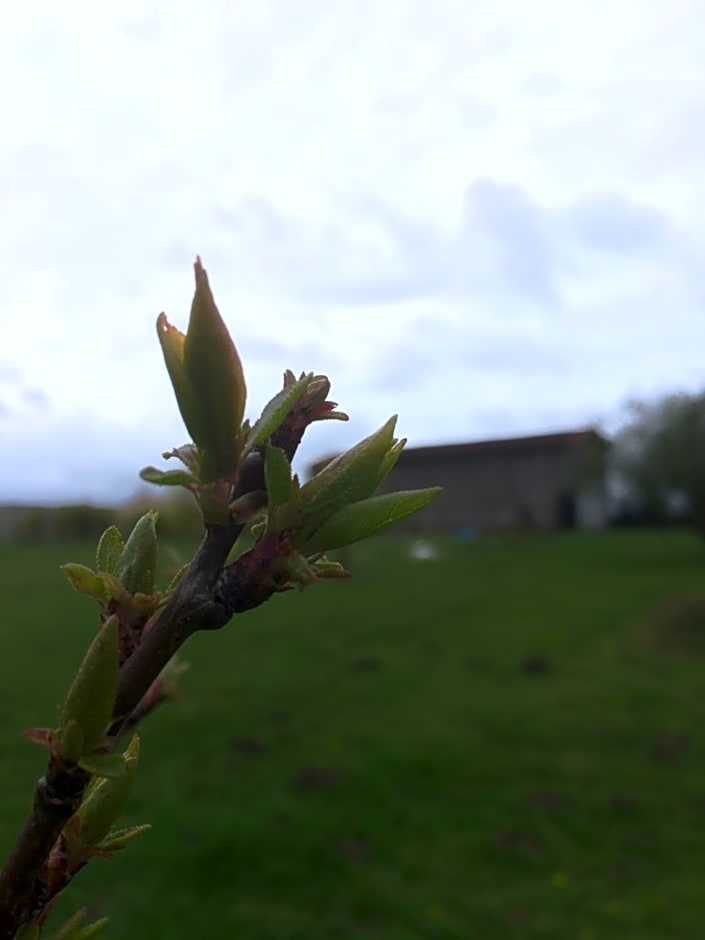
677,625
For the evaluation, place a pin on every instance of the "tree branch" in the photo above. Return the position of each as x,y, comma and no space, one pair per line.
192,607
57,796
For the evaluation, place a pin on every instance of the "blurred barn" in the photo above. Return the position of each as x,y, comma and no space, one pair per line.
550,481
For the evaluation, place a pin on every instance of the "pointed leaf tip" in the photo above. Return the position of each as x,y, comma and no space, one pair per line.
214,372
109,550
277,410
105,799
138,562
348,478
367,517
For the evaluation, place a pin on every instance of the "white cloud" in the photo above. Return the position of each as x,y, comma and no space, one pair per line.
499,205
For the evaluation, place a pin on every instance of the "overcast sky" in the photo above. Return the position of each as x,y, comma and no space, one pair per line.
487,217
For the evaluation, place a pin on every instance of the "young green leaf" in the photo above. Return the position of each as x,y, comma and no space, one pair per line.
167,477
104,801
277,474
171,676
275,412
69,927
391,457
138,564
89,931
172,342
119,838
112,589
72,929
348,478
177,577
103,765
363,519
214,372
109,550
85,581
28,932
188,455
248,507
90,699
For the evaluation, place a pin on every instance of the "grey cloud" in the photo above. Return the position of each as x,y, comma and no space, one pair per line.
503,217
37,399
506,248
501,244
434,348
543,85
75,457
612,224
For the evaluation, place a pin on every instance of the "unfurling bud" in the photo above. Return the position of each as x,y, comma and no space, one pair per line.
106,798
28,932
206,373
89,702
137,565
350,477
367,517
75,929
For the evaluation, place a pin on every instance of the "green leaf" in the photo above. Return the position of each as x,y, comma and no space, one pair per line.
104,801
72,929
90,699
188,455
85,580
365,518
391,457
119,838
171,675
300,572
275,412
277,474
248,507
103,765
109,551
28,932
68,928
329,569
112,588
348,478
172,342
177,577
138,564
214,372
167,477
89,931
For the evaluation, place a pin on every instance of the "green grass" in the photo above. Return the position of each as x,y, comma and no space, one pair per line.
476,747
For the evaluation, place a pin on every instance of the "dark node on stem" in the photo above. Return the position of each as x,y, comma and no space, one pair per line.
253,578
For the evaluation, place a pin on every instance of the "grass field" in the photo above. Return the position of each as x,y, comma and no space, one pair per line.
483,746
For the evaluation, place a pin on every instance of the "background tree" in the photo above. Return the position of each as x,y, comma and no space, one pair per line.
659,458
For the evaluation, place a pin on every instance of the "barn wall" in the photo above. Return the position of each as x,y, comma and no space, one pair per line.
498,490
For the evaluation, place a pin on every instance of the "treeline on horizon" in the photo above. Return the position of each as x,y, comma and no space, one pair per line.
178,517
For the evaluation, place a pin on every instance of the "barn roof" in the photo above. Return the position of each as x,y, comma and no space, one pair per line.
510,445
516,446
